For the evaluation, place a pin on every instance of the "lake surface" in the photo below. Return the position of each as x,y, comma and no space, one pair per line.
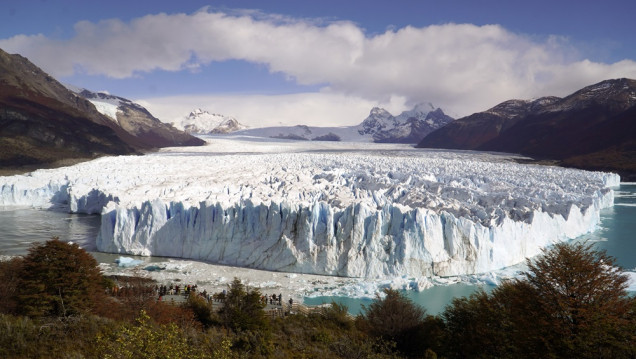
20,227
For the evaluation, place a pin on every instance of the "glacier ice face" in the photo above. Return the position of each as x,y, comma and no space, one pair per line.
358,210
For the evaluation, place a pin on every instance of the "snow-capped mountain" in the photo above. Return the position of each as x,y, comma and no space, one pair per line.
592,128
44,122
408,127
380,126
137,120
202,122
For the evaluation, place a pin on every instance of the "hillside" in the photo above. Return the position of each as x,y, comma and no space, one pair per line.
593,128
43,123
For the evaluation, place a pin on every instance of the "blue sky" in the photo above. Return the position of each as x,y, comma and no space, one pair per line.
323,62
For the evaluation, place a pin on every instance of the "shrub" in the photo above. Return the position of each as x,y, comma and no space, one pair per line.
10,273
146,340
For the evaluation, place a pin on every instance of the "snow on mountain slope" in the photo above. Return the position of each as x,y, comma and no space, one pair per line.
380,126
106,108
202,123
346,209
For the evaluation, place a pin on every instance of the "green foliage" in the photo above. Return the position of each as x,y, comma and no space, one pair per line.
338,314
58,279
243,309
147,341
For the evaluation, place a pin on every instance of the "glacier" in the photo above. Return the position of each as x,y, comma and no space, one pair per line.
342,209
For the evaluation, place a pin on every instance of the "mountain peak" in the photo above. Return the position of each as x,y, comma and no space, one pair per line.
203,122
408,127
197,112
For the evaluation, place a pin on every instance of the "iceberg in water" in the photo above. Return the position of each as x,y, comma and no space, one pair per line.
127,262
367,210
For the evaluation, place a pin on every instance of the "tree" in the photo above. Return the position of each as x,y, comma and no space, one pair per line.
243,308
572,302
243,312
583,306
394,318
58,279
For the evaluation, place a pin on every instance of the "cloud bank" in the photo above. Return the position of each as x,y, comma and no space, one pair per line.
461,67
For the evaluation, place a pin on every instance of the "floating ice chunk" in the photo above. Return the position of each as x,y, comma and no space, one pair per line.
126,262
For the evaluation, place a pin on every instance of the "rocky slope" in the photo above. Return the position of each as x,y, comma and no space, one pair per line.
593,128
42,122
135,119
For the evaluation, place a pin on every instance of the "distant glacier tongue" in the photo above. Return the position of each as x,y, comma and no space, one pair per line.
373,212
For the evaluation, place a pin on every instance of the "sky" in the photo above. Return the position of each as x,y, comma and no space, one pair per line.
323,62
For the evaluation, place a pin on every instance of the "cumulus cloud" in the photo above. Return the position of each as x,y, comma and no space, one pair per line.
462,67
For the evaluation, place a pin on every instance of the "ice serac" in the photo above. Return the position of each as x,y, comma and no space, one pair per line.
373,212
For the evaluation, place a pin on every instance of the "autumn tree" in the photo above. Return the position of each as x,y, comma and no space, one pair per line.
583,307
571,302
58,279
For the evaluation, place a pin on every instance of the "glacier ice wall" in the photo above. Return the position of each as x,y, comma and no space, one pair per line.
355,241
362,213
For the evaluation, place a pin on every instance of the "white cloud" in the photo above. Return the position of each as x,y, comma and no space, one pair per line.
461,67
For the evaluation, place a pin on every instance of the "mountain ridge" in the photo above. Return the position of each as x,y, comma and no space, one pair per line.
42,122
380,126
592,128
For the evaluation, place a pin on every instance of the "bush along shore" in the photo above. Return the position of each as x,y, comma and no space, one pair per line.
572,302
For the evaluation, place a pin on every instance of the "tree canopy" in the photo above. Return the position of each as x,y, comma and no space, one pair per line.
571,302
58,279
